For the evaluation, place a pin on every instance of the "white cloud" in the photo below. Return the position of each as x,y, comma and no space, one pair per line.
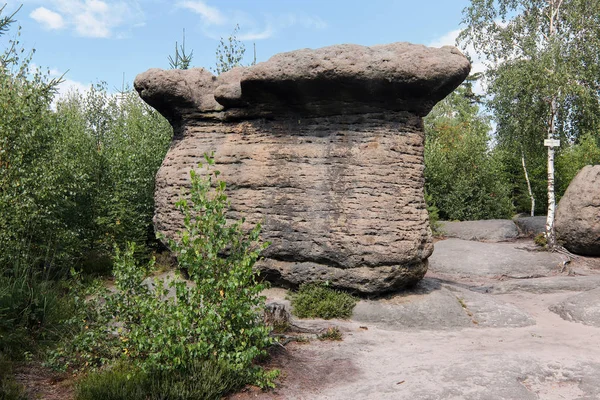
448,39
216,23
210,15
90,18
48,18
305,21
254,35
69,86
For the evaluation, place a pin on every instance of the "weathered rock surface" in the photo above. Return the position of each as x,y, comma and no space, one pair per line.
324,147
578,213
431,305
464,258
531,226
491,230
549,284
583,307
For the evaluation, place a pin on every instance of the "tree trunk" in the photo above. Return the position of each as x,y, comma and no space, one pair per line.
550,234
528,184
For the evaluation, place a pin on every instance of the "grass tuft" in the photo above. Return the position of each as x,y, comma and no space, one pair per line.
9,389
332,333
207,379
315,300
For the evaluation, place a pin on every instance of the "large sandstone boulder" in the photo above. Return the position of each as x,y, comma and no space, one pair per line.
577,221
325,147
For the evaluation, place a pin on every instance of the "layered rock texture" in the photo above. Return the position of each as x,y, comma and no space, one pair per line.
578,213
324,147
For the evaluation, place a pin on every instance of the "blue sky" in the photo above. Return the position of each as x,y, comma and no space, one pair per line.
100,40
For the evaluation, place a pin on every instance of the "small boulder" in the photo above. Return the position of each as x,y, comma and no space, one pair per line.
577,221
531,226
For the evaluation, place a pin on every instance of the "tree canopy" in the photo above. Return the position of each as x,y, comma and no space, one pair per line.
543,77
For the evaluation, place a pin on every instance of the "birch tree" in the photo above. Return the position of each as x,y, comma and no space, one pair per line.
543,73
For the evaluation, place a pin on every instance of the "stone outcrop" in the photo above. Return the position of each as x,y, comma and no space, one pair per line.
578,213
324,147
489,230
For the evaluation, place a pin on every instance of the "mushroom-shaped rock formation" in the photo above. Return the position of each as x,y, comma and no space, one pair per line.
324,147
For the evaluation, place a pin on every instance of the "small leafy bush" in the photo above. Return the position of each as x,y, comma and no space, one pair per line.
434,216
171,326
332,333
540,240
315,300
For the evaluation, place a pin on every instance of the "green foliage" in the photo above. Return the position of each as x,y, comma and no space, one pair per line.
117,144
181,59
571,159
332,333
207,379
464,179
434,215
9,389
230,53
540,240
32,310
168,326
314,300
29,227
32,235
73,180
543,77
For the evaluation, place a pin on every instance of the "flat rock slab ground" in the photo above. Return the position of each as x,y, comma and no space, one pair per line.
517,260
491,321
493,230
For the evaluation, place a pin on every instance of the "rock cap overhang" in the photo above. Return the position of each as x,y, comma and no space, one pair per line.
335,80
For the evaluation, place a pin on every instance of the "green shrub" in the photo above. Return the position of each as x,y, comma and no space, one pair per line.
118,382
332,333
208,379
74,180
9,389
434,215
215,318
32,311
117,144
540,240
315,300
464,178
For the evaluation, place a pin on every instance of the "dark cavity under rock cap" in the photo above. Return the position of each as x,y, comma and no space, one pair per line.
324,147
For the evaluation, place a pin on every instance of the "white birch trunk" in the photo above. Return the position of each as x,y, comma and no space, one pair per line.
528,185
550,234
